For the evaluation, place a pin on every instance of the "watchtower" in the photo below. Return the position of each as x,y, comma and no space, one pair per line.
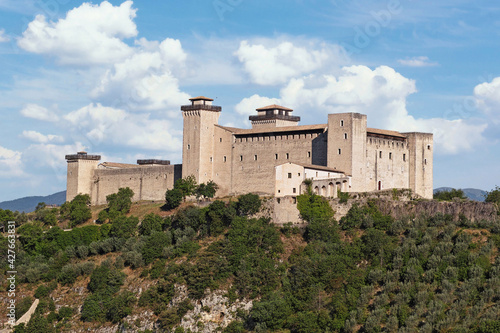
81,168
274,116
200,119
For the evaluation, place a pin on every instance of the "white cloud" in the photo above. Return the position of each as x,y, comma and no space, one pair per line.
276,64
3,37
41,138
38,112
105,124
421,61
144,81
487,97
10,163
248,105
380,94
90,34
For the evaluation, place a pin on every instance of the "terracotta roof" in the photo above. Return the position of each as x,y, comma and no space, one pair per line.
200,97
118,165
274,106
319,167
242,131
384,132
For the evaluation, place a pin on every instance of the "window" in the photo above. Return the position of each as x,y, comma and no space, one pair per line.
279,191
241,158
220,139
210,159
299,174
294,190
404,157
225,159
340,151
287,156
289,175
380,154
189,147
425,161
308,154
279,200
341,123
255,157
390,156
428,147
345,136
275,156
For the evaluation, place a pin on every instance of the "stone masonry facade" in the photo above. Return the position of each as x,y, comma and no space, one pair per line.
272,158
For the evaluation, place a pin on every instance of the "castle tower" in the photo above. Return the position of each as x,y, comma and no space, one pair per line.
347,146
421,157
80,173
200,119
274,116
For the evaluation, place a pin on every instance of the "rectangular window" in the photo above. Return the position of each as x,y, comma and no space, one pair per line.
225,159
299,174
404,157
189,147
294,190
287,156
345,136
308,154
425,161
289,175
220,139
255,157
390,156
275,156
340,151
241,158
380,154
210,159
341,123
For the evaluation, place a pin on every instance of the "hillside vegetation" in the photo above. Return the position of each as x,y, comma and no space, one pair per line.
366,272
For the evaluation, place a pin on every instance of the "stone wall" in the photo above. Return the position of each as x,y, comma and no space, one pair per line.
147,182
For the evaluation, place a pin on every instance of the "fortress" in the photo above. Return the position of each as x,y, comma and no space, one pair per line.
274,157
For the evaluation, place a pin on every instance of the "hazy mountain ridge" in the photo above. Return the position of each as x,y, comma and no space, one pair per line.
471,193
28,204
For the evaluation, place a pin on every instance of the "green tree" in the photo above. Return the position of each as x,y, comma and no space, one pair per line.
173,198
271,311
449,195
121,201
151,222
79,210
248,204
493,196
124,227
186,185
207,190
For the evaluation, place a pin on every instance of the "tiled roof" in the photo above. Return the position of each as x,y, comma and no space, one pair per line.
274,106
242,131
118,165
384,132
200,97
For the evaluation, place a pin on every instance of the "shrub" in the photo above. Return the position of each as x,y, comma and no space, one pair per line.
154,245
248,204
173,198
105,279
79,210
151,222
449,195
121,201
186,186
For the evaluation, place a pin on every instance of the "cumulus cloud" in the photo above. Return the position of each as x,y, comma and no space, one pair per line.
268,64
487,96
421,61
248,105
10,163
39,112
3,37
144,80
89,34
380,94
41,138
116,126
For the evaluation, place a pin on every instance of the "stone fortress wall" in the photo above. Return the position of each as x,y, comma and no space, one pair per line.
359,159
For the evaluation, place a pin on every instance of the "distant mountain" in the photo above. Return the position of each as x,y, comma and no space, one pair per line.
28,204
471,193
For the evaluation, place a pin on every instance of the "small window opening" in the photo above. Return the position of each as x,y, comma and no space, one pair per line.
425,161
210,159
220,139
380,154
255,157
279,200
225,159
345,136
340,151
294,190
275,156
404,157
341,123
390,156
189,147
241,158
289,175
428,147
308,154
299,174
287,156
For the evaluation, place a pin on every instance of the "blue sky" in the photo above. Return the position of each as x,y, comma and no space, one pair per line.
109,77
